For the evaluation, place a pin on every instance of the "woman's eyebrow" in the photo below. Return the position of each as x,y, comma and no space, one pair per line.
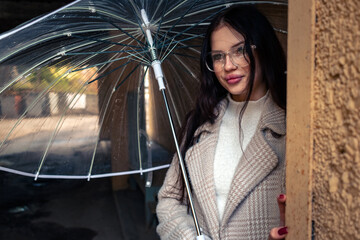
237,44
233,46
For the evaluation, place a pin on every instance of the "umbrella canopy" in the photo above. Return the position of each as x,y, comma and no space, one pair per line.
78,93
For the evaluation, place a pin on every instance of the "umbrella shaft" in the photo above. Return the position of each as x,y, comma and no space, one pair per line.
182,165
156,64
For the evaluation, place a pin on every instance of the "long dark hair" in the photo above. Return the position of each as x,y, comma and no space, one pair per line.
256,30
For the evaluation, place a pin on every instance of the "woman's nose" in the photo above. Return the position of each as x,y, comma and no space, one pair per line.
228,64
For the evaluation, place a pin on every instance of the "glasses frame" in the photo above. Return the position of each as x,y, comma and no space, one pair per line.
228,53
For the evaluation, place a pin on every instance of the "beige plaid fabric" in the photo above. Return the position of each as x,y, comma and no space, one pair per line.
251,209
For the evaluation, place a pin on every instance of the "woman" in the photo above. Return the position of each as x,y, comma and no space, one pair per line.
234,139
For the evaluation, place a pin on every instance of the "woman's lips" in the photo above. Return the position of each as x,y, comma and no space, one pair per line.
233,79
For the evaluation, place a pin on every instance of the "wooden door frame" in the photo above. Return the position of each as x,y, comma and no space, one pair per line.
299,147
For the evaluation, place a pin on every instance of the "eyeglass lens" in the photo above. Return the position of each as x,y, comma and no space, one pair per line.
216,60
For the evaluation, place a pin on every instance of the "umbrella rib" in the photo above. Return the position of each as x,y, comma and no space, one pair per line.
184,55
38,64
121,51
128,51
135,8
207,24
191,27
178,21
188,34
113,24
95,176
162,59
127,77
22,74
157,8
191,47
168,46
111,60
2,36
105,74
108,73
30,107
227,5
174,8
104,13
160,23
104,41
102,114
179,41
57,129
280,30
183,40
138,119
53,83
100,52
33,43
103,63
187,69
188,25
119,35
142,60
131,172
186,46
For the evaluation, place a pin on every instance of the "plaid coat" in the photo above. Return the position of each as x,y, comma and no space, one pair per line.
251,208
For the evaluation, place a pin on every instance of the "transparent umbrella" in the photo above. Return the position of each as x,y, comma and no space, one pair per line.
79,87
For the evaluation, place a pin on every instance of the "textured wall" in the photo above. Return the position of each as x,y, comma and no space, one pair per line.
336,192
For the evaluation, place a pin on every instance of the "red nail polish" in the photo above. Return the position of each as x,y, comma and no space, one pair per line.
282,231
281,196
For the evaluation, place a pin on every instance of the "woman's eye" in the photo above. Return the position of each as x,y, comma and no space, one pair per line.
217,57
239,50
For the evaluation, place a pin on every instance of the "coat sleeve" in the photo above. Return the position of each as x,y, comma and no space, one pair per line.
174,220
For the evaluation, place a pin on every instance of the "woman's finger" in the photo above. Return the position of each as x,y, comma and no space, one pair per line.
281,203
278,233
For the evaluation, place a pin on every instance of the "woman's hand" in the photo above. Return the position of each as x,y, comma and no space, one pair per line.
280,232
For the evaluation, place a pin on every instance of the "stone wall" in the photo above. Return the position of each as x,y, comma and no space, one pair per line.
336,160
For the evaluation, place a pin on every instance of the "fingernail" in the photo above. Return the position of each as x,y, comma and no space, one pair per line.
282,231
281,196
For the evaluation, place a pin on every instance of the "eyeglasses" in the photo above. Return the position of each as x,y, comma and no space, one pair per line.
215,60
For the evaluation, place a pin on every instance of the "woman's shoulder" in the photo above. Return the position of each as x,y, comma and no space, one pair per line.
273,116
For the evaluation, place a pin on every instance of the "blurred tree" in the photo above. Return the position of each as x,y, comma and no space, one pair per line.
58,79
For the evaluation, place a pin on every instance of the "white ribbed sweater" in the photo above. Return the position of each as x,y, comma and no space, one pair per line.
228,149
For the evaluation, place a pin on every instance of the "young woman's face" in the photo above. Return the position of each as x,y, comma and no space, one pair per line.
235,73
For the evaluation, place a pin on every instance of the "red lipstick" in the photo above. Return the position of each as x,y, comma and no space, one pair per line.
233,78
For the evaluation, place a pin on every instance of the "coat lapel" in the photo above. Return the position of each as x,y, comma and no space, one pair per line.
258,159
256,163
